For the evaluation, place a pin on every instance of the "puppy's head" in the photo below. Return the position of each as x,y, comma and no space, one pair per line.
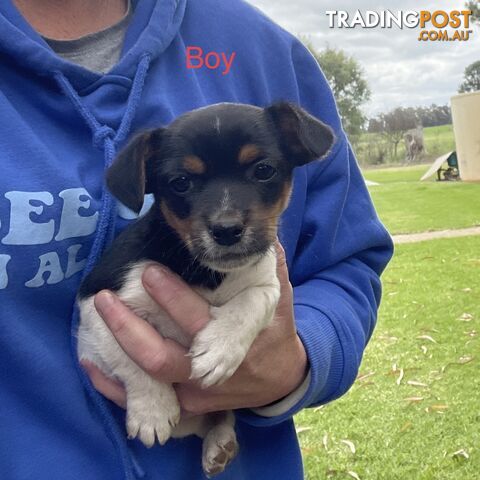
221,176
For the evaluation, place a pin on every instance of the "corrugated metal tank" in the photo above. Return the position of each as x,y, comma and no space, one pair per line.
466,125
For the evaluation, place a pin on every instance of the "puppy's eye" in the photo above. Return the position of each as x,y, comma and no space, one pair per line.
181,185
264,172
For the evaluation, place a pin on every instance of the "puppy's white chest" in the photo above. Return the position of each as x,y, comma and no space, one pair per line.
135,296
240,308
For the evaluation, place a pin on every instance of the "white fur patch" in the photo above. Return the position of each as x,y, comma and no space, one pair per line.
242,306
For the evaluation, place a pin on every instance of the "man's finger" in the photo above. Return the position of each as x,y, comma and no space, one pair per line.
189,310
282,269
162,358
284,316
108,387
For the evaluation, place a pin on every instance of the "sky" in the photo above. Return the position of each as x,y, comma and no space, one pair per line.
400,70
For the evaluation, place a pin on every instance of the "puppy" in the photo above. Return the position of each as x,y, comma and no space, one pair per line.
221,176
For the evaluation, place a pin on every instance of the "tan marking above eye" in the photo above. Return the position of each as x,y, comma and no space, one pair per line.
249,153
193,164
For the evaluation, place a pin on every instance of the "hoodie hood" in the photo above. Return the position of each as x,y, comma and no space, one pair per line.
153,27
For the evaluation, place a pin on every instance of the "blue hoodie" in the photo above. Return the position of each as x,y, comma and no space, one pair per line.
60,126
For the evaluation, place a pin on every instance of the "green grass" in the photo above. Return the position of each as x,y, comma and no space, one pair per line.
403,430
407,205
396,174
416,401
437,141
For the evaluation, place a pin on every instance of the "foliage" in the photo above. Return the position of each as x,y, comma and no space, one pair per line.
413,411
434,116
431,116
471,82
396,123
374,149
393,126
474,6
348,83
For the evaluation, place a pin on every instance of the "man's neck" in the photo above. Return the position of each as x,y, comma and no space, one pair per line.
70,19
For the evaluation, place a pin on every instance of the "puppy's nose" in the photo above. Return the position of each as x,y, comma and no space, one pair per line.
226,235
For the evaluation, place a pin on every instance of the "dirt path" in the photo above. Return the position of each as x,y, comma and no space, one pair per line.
420,237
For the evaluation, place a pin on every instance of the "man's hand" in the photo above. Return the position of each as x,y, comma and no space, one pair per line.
274,367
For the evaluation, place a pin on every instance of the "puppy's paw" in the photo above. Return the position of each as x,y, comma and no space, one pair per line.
147,422
219,448
215,356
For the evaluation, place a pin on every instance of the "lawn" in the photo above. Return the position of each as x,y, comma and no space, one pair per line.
407,205
413,412
438,140
396,174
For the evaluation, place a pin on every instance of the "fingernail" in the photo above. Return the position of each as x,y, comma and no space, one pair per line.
104,300
153,276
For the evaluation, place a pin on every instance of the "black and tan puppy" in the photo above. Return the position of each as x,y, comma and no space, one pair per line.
221,176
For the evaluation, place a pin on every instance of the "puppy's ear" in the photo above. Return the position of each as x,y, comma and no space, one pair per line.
130,178
302,137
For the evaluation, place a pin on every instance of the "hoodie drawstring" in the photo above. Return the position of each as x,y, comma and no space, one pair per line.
106,139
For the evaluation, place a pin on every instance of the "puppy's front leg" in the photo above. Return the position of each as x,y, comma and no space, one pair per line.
219,349
152,409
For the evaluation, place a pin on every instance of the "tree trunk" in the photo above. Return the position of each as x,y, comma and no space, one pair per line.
395,146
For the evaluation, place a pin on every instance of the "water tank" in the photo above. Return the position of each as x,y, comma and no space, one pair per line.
466,125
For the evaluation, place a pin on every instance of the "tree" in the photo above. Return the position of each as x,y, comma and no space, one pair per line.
471,82
349,86
434,115
396,123
375,125
474,7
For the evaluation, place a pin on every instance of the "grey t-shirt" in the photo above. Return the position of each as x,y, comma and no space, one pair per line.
97,52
